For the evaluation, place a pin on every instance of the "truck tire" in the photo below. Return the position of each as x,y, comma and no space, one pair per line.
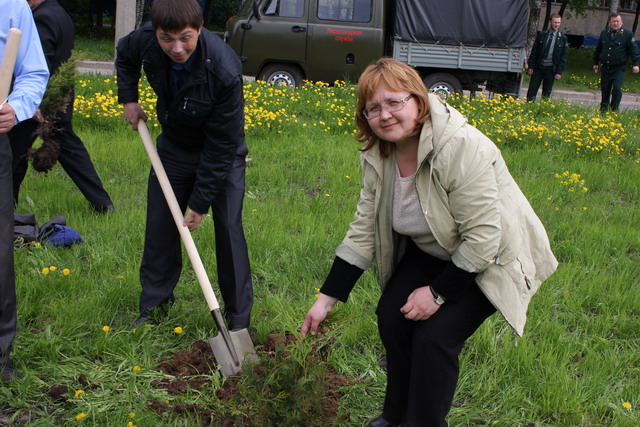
281,74
443,84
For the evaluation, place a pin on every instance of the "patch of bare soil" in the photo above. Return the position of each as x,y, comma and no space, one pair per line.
189,367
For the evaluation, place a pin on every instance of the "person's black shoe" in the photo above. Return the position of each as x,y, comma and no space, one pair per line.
8,371
143,319
104,209
381,421
152,315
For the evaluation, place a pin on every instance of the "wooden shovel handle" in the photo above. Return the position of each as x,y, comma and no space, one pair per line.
9,61
169,195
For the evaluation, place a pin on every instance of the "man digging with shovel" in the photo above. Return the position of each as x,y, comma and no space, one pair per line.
198,81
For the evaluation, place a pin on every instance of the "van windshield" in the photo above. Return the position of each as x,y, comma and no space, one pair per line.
245,8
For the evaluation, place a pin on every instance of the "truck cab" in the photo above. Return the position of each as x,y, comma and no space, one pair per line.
289,41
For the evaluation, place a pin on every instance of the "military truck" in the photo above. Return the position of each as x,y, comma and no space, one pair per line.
455,45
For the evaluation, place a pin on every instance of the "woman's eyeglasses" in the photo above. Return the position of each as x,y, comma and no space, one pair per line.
391,106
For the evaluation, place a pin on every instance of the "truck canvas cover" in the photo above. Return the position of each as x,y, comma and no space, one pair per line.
487,23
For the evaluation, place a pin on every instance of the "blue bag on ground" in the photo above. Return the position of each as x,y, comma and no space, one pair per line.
56,232
64,236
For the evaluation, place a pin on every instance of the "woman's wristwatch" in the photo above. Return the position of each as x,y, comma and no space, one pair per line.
439,298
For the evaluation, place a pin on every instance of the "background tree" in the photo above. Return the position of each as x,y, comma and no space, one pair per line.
614,5
535,6
547,16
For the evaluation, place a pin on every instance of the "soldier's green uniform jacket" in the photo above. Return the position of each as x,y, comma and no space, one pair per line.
615,47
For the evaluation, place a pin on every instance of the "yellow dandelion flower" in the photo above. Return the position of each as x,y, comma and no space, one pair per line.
80,416
136,368
79,393
45,270
119,277
626,405
66,272
106,328
132,414
177,330
327,195
53,268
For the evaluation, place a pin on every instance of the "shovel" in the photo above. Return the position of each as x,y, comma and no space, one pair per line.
229,348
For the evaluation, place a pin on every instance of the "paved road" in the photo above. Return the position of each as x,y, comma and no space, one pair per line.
629,100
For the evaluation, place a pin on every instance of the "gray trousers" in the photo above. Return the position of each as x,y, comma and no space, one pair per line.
7,272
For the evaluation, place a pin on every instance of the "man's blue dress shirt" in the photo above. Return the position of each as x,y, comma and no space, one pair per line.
31,72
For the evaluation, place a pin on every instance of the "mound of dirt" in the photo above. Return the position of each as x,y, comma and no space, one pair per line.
189,370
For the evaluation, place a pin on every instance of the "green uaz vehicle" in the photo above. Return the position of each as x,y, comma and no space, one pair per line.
454,44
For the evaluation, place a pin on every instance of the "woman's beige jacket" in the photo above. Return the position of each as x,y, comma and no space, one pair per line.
472,205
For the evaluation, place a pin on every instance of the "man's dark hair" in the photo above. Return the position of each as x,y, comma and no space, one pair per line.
174,15
614,15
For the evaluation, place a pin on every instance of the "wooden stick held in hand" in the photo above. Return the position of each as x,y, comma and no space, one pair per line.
9,62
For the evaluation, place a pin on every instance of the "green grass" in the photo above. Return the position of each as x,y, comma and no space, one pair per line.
95,48
576,365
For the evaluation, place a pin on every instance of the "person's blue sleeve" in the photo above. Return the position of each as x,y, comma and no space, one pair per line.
31,72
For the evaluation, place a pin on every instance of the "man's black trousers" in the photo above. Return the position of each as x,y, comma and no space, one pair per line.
7,273
73,158
544,75
611,85
162,258
422,356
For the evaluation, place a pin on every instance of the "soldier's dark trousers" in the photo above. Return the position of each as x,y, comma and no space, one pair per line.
611,85
73,157
422,356
162,258
7,273
544,75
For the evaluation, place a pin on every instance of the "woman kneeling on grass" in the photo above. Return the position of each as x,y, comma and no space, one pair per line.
451,233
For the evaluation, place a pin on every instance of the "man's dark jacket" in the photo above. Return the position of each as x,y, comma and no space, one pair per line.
559,56
56,31
207,113
615,47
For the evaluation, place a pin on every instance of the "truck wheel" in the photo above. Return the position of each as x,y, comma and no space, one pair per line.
443,84
281,74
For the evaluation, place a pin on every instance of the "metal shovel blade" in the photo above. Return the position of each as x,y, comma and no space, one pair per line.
243,346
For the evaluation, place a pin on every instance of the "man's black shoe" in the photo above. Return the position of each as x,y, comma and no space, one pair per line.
104,209
143,319
8,371
381,421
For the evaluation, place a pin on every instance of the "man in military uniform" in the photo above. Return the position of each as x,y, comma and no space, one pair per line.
615,46
548,59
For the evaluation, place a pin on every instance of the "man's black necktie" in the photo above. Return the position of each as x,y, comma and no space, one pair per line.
547,46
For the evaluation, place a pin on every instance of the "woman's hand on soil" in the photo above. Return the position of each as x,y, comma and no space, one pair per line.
317,313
